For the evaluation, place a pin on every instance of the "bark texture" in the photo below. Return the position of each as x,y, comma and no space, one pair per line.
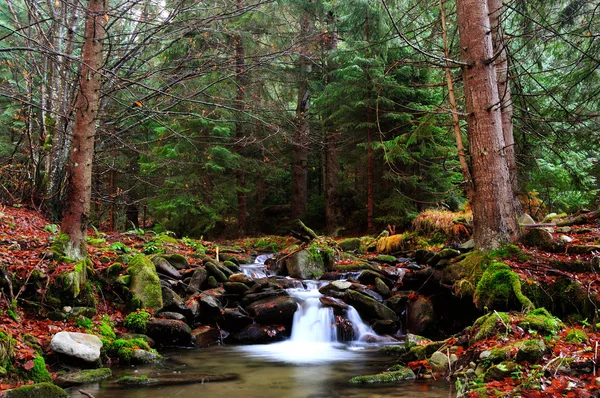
496,9
75,221
494,219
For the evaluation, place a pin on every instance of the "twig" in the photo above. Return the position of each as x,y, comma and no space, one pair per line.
87,394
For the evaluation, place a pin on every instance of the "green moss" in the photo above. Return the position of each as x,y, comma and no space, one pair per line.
7,349
105,328
39,373
85,376
498,286
541,321
490,324
142,380
145,283
395,350
58,247
124,349
166,239
508,252
136,321
46,390
402,374
576,336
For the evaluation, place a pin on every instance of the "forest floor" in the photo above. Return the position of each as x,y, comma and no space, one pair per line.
565,366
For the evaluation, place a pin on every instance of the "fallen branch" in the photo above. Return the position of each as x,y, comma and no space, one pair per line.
87,394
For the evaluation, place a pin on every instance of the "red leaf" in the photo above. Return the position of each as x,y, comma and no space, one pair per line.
28,365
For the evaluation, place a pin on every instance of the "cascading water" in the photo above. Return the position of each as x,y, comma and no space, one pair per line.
314,334
258,268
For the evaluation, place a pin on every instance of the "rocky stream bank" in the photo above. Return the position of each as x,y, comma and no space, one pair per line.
518,321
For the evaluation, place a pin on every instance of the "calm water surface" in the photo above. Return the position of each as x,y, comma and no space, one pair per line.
264,376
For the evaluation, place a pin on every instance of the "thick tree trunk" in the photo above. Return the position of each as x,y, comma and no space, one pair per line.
75,221
302,130
240,70
496,8
370,201
494,219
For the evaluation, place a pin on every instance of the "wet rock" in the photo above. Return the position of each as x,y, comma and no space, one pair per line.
205,335
368,292
214,271
45,390
231,266
198,278
163,267
78,345
278,310
178,261
385,326
172,379
82,377
234,319
367,277
241,278
439,362
259,334
398,302
420,316
139,356
172,302
235,287
169,332
337,304
144,283
171,315
303,265
250,298
399,373
467,246
367,307
381,287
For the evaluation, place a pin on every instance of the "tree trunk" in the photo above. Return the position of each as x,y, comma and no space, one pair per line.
496,8
75,221
301,131
494,219
240,69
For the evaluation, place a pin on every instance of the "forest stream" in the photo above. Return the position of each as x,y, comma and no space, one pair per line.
311,363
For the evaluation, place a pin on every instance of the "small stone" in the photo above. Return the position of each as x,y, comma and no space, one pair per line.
566,239
67,309
526,219
484,354
438,362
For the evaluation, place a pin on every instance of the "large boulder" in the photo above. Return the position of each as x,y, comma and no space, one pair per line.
540,238
367,307
79,345
421,315
305,264
169,332
259,334
206,335
198,278
278,310
144,283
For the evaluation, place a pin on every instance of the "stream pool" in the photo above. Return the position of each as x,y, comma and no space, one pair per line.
261,376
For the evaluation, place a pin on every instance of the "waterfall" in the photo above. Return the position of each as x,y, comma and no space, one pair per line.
257,269
312,322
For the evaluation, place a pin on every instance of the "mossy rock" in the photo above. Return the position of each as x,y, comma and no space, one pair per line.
176,260
114,271
39,373
501,371
542,321
397,243
530,350
145,284
384,258
45,390
576,336
500,287
415,353
349,245
142,380
491,324
85,376
165,239
393,350
403,374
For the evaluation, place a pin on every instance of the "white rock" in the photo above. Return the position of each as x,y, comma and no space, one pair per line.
566,239
526,219
341,285
79,345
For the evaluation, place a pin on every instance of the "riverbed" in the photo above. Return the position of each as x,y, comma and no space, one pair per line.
266,377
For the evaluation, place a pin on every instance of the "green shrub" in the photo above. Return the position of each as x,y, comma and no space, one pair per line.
136,321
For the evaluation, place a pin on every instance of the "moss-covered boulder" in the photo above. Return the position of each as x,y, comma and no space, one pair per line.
176,260
500,287
501,371
86,376
45,390
530,350
144,283
490,325
349,244
305,264
399,373
542,321
540,238
576,336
